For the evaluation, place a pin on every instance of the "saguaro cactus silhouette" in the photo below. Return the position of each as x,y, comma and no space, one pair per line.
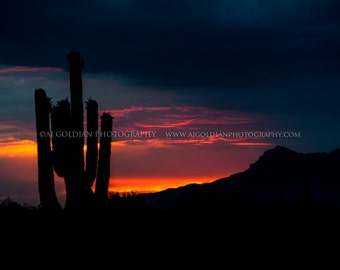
67,156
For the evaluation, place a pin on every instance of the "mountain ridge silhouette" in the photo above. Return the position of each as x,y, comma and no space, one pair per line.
279,173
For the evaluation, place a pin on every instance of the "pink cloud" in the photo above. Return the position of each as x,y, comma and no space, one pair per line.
164,124
127,111
28,69
177,117
251,144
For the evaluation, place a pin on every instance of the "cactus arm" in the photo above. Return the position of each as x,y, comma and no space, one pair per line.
103,174
92,142
48,197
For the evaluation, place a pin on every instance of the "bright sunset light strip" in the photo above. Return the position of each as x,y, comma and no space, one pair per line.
24,148
145,185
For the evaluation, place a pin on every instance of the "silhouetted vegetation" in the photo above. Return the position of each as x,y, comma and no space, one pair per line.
66,157
201,208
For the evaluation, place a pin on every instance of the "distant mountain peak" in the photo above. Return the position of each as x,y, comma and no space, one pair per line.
276,155
279,150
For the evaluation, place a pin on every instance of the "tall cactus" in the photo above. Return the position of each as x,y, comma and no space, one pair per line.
67,154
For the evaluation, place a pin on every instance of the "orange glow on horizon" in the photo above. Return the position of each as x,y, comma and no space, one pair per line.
123,182
150,185
18,148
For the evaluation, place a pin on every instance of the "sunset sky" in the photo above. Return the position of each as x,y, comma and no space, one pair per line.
253,69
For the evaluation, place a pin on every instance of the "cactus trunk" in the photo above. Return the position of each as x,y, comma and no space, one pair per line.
76,173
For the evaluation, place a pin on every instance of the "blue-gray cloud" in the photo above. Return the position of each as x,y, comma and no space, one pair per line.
178,43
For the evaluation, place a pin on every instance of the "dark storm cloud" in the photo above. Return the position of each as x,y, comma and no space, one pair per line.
178,43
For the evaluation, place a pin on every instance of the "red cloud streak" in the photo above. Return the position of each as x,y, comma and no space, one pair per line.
28,69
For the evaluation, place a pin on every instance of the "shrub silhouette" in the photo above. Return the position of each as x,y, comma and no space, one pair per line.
62,127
